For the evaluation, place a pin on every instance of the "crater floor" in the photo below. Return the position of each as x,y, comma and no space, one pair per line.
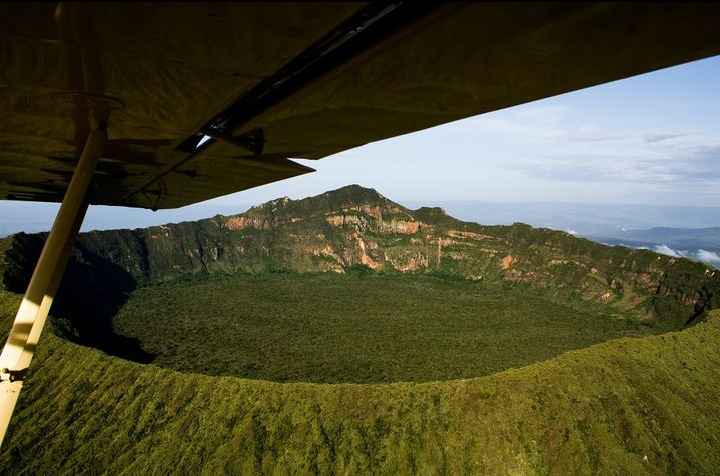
358,328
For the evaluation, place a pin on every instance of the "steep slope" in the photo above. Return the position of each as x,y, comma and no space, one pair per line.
630,406
354,226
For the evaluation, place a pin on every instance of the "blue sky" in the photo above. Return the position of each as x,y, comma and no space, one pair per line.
651,139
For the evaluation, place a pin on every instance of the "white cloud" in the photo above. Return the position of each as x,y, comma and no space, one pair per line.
708,256
583,153
660,136
593,134
705,256
666,250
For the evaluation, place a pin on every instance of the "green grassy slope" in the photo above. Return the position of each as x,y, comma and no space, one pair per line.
630,406
358,328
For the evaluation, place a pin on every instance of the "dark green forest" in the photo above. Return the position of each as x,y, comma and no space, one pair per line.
358,328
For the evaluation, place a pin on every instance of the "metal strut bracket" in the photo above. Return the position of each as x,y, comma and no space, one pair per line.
254,141
7,375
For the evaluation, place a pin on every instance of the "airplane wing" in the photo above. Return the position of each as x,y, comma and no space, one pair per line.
209,99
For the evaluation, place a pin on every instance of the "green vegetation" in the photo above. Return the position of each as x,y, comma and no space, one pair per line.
361,328
630,406
444,348
354,227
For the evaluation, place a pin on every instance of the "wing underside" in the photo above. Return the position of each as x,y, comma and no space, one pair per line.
210,99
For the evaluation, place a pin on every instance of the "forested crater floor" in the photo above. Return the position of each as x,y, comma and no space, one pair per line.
359,327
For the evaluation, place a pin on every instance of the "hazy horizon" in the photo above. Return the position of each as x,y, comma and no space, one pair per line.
565,216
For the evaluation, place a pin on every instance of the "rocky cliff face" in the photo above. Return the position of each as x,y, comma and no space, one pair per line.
356,227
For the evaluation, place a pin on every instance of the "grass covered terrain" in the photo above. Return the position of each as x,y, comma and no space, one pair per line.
637,406
362,328
518,370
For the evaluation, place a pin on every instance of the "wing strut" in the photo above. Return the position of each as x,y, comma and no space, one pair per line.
33,311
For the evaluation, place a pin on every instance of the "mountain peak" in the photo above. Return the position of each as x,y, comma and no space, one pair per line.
329,202
346,197
354,193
